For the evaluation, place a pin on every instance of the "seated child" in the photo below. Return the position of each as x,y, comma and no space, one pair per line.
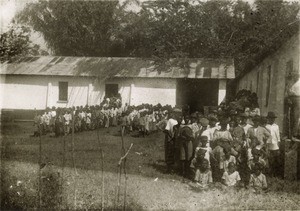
256,158
219,155
203,176
196,161
231,177
204,145
228,158
258,180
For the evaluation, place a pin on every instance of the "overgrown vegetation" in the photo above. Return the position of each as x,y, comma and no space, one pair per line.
165,29
15,42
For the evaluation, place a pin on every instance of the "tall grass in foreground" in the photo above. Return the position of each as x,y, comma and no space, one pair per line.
19,183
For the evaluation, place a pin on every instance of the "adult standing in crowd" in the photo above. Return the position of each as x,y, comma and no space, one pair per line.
273,145
185,140
170,139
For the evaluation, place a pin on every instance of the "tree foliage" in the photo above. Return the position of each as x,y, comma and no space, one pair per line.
165,29
73,28
15,42
214,29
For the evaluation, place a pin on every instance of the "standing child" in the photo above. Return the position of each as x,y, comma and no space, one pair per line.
83,119
114,113
77,121
59,123
142,123
147,122
53,116
38,123
231,177
88,119
243,159
67,122
46,121
124,125
106,117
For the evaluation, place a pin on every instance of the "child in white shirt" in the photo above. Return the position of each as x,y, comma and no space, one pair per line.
231,177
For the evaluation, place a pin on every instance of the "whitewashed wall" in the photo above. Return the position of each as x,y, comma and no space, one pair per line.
29,92
39,92
278,61
19,92
136,91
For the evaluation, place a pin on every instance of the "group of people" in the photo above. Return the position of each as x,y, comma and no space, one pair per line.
233,150
232,146
141,119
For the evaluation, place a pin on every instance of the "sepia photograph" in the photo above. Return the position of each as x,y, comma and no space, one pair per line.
149,105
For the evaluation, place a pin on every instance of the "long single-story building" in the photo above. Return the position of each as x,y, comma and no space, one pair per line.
40,82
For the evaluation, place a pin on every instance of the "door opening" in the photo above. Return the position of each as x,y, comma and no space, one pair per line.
111,90
197,93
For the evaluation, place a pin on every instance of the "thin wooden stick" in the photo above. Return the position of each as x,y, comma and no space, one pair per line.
98,138
123,161
289,122
40,164
102,169
73,160
63,170
122,138
118,186
125,187
120,166
124,157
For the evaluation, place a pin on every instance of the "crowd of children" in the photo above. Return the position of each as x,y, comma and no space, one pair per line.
110,113
232,150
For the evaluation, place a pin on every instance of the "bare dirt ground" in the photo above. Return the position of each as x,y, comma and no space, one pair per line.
148,186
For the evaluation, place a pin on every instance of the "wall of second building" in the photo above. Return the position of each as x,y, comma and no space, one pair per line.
39,92
278,64
136,91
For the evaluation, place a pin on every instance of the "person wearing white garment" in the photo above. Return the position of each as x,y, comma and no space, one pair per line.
243,123
273,145
209,132
67,121
170,139
46,120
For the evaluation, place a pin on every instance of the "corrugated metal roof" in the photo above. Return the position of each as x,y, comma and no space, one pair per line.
120,67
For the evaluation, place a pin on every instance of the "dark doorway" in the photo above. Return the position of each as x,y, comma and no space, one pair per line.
111,90
197,93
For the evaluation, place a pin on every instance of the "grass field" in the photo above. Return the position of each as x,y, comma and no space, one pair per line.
148,186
